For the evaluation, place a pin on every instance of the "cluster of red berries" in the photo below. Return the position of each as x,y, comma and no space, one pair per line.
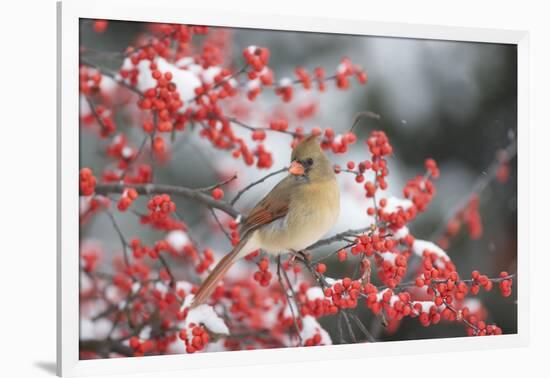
123,282
320,78
129,195
432,168
284,89
483,329
163,300
505,285
90,259
139,251
280,124
177,32
162,224
195,339
141,174
87,182
391,267
303,77
480,280
140,347
89,80
258,135
344,294
420,191
436,267
263,275
264,158
265,76
373,300
120,149
426,318
472,218
206,260
369,244
160,207
316,307
316,339
347,69
256,57
379,146
338,144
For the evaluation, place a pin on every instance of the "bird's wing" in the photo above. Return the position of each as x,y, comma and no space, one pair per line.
273,206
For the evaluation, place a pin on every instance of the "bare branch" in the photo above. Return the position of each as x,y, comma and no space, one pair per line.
251,185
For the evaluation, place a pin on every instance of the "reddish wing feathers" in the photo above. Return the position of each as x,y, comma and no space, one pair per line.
273,206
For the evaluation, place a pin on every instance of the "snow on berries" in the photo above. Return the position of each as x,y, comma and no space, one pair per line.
160,207
128,196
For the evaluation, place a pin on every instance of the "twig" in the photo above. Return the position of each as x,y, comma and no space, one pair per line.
104,347
95,113
222,183
362,327
251,185
344,314
219,84
338,237
141,147
252,128
220,225
112,75
167,267
296,328
123,240
364,114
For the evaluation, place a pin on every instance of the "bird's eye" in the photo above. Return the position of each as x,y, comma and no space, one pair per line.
309,162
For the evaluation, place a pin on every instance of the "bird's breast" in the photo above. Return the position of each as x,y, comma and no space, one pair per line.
313,210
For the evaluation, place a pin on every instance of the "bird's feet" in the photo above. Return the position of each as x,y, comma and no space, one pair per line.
301,255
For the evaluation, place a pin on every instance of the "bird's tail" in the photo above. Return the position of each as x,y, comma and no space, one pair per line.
217,273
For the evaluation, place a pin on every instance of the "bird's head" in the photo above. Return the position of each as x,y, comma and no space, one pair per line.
309,160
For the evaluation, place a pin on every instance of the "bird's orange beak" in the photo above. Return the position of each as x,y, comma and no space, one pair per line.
296,168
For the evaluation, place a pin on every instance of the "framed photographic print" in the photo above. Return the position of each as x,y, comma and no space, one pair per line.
275,188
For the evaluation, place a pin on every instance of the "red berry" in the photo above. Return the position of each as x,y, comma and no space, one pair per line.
217,193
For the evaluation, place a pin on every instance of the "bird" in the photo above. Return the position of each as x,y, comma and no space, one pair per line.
295,214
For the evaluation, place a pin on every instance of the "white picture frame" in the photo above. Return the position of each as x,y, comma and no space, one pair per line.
69,13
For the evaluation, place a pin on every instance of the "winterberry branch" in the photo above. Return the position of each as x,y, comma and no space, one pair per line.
182,191
219,84
237,122
339,237
111,75
479,186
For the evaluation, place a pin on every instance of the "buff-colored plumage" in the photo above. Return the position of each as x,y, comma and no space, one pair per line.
297,212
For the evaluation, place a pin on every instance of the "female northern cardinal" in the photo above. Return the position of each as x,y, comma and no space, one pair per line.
295,214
